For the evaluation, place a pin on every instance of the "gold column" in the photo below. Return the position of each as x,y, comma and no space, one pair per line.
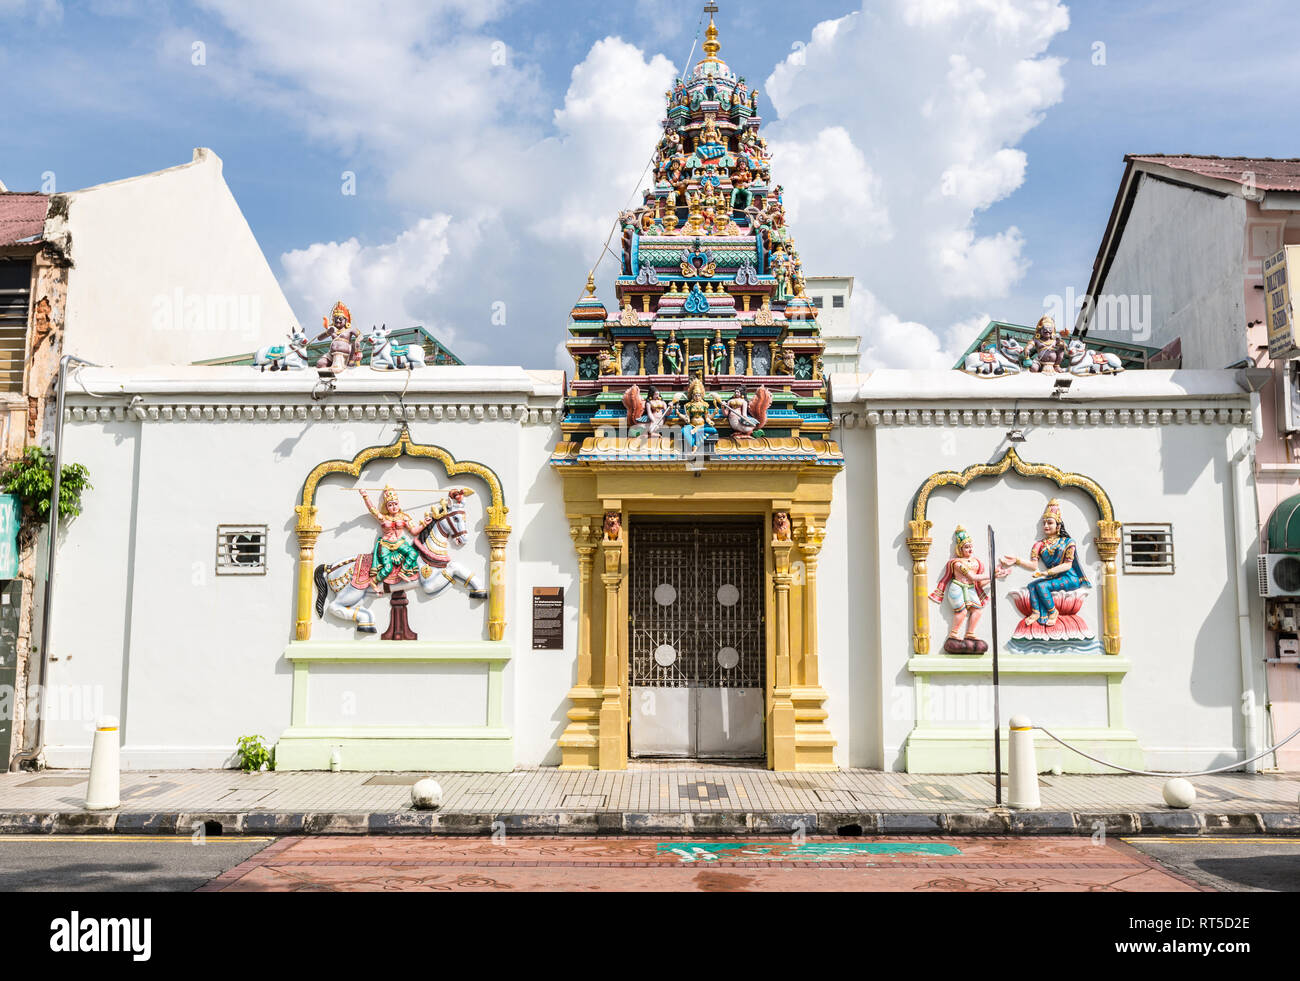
1108,539
580,743
660,342
749,357
783,721
731,356
814,744
613,726
918,543
498,533
645,302
641,348
308,532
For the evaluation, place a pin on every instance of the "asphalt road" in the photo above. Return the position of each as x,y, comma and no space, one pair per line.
1245,864
117,863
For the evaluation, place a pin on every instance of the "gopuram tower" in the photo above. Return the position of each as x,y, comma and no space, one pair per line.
699,403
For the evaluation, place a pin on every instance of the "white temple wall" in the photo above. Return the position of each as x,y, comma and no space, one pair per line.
190,661
1183,697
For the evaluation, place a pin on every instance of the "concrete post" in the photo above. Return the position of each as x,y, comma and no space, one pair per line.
1021,766
104,784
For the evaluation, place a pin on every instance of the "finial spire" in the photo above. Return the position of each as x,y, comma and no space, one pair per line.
711,45
591,285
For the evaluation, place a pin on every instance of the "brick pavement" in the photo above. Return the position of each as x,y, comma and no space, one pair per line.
685,798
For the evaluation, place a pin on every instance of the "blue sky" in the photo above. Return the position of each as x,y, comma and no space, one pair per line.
472,188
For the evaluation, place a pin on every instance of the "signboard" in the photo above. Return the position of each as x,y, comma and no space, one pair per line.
10,515
548,618
1279,317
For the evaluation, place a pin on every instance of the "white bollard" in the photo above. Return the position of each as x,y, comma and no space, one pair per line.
426,795
103,787
1022,792
1179,793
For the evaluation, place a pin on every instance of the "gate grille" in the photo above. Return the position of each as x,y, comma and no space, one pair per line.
697,606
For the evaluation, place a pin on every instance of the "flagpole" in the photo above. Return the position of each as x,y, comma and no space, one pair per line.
997,706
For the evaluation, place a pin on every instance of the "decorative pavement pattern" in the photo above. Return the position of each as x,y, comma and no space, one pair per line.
646,800
698,865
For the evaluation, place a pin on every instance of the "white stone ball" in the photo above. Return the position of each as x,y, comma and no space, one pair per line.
1179,793
426,795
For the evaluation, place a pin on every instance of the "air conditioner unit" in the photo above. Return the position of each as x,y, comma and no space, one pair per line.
1279,575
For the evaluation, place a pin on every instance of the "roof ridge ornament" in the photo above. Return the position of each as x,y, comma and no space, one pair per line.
711,45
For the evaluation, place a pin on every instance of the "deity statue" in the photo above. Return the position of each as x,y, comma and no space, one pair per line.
963,587
613,526
654,408
1047,350
745,417
710,133
673,355
718,355
742,92
345,341
693,410
1062,573
781,269
398,547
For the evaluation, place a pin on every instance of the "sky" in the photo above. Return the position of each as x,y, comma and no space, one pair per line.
460,163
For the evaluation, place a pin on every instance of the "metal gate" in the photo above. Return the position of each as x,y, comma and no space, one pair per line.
696,652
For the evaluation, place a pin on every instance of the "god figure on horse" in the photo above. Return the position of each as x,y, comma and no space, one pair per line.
407,555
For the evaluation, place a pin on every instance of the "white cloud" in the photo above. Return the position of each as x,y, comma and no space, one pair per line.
906,116
898,125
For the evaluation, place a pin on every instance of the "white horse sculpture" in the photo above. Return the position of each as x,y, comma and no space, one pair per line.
281,357
1001,360
350,582
1081,361
387,356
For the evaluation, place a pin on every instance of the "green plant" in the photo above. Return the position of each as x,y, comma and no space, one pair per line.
253,754
31,479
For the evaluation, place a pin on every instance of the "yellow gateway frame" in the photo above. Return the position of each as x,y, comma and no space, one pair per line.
797,737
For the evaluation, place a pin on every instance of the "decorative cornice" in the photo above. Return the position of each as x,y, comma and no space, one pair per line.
316,412
1081,418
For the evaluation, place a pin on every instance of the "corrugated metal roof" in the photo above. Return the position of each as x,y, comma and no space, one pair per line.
22,216
1270,174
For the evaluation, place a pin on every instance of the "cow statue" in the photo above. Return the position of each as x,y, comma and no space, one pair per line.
1081,361
1004,359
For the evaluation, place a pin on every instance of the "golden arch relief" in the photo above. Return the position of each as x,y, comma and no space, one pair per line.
498,531
919,540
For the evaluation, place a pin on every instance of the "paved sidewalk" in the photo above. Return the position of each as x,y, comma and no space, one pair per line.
651,799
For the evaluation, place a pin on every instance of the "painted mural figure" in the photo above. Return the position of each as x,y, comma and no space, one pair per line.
406,556
1057,551
397,548
963,587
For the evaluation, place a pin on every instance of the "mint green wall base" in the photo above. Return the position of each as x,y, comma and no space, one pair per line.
401,749
486,748
939,748
970,750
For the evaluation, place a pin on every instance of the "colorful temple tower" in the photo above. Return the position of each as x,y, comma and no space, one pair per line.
700,403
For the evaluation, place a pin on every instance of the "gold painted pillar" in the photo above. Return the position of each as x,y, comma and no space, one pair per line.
498,533
731,356
1108,538
308,532
660,342
783,716
918,543
749,357
814,744
641,348
613,724
580,743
